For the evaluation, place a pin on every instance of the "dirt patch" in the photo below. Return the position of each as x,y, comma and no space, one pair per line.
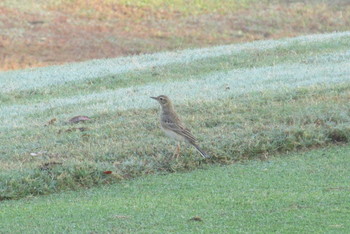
70,32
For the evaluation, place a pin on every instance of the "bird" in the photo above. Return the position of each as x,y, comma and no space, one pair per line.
173,127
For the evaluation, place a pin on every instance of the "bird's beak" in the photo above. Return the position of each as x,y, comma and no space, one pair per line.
155,98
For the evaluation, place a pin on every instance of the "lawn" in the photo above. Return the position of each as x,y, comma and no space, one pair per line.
242,101
295,193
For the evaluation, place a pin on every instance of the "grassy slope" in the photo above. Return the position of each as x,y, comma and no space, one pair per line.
296,193
242,101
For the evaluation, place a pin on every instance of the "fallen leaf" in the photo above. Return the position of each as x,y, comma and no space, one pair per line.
52,121
107,172
196,218
79,118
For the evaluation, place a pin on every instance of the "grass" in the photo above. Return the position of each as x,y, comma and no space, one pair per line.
294,193
103,75
189,8
243,101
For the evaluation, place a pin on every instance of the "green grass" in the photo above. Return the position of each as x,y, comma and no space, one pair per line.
297,52
241,101
295,193
193,7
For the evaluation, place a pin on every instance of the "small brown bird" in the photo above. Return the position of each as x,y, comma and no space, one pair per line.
173,126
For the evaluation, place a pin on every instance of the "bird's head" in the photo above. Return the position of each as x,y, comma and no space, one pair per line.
163,100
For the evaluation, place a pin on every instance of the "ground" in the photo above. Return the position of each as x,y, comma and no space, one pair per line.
294,193
42,33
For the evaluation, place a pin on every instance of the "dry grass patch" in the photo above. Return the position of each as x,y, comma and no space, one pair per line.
57,32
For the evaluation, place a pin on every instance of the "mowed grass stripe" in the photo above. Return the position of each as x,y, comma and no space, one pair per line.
56,75
294,53
213,86
301,193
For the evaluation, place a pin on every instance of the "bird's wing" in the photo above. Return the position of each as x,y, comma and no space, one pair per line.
179,129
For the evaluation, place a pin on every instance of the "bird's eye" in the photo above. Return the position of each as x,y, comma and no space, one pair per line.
161,99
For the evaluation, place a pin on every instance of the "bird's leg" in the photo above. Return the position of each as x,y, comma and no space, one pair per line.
177,151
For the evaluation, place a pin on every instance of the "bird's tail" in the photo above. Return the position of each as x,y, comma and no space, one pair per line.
204,154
